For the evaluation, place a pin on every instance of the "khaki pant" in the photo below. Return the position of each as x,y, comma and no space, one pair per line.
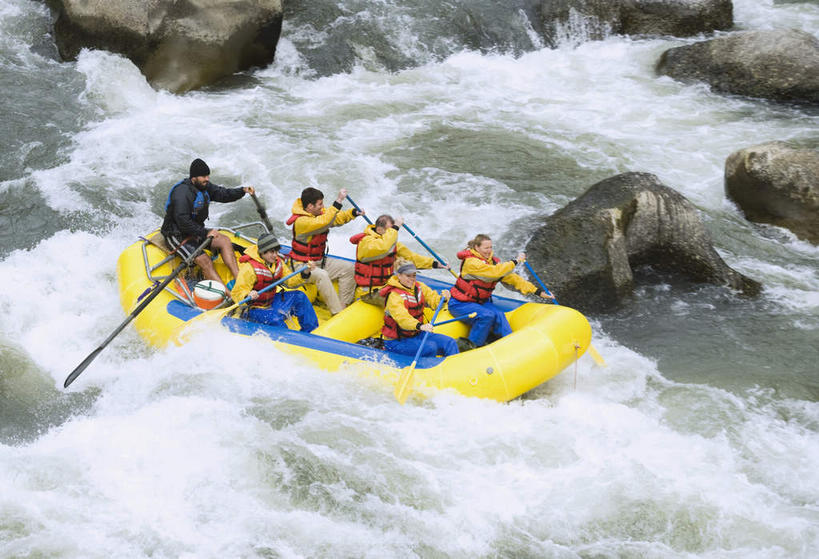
334,269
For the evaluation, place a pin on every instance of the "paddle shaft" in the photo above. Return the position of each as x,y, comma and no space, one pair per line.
470,315
405,382
426,246
150,297
262,213
268,288
367,219
542,285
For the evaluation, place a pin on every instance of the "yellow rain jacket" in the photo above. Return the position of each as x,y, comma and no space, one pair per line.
247,280
488,272
372,247
306,225
397,309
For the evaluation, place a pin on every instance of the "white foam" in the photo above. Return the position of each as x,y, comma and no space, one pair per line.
227,446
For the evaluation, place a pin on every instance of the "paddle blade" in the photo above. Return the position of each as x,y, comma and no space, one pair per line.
598,359
404,386
81,367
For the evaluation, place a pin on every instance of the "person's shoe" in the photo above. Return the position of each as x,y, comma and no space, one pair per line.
465,344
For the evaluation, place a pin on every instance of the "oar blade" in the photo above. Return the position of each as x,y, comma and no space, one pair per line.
598,359
82,366
404,386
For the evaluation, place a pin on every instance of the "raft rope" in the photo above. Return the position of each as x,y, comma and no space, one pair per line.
576,347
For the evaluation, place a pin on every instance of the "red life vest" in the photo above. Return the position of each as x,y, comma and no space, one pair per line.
470,289
373,271
414,302
264,277
308,248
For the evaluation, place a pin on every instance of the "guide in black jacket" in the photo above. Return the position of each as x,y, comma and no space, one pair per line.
186,210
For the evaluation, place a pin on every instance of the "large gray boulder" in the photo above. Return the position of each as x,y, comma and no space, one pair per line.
178,44
681,18
586,251
778,184
781,65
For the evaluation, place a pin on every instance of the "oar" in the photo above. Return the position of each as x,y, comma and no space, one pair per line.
150,297
262,213
432,252
367,219
268,288
402,389
594,353
470,315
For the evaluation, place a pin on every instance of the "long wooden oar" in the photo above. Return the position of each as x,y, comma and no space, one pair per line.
262,213
150,297
432,252
404,386
367,219
594,353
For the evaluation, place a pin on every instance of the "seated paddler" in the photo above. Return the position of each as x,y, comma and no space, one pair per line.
481,271
404,319
261,266
376,251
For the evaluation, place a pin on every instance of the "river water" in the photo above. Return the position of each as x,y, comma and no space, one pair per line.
700,437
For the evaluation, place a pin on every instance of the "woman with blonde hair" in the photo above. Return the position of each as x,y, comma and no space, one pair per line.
481,270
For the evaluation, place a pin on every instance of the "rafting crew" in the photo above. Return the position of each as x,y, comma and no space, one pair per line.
260,266
377,249
404,315
311,222
186,210
480,272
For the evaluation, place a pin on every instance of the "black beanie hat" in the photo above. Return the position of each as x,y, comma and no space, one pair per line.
267,242
199,169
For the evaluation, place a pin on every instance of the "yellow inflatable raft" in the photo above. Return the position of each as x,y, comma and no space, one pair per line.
545,340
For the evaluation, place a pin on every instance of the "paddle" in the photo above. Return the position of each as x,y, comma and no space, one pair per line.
150,297
367,219
402,389
432,252
262,213
594,353
470,315
268,288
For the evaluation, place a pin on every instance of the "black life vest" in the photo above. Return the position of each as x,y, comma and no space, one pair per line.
471,289
414,302
373,271
264,277
200,202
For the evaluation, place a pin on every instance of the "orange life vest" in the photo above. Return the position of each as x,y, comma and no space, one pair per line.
308,248
264,277
374,271
414,302
473,290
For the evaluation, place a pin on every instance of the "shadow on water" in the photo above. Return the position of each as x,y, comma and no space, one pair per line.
522,163
26,218
30,404
709,334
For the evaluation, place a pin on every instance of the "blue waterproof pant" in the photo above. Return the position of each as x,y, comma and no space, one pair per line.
489,319
436,344
286,304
